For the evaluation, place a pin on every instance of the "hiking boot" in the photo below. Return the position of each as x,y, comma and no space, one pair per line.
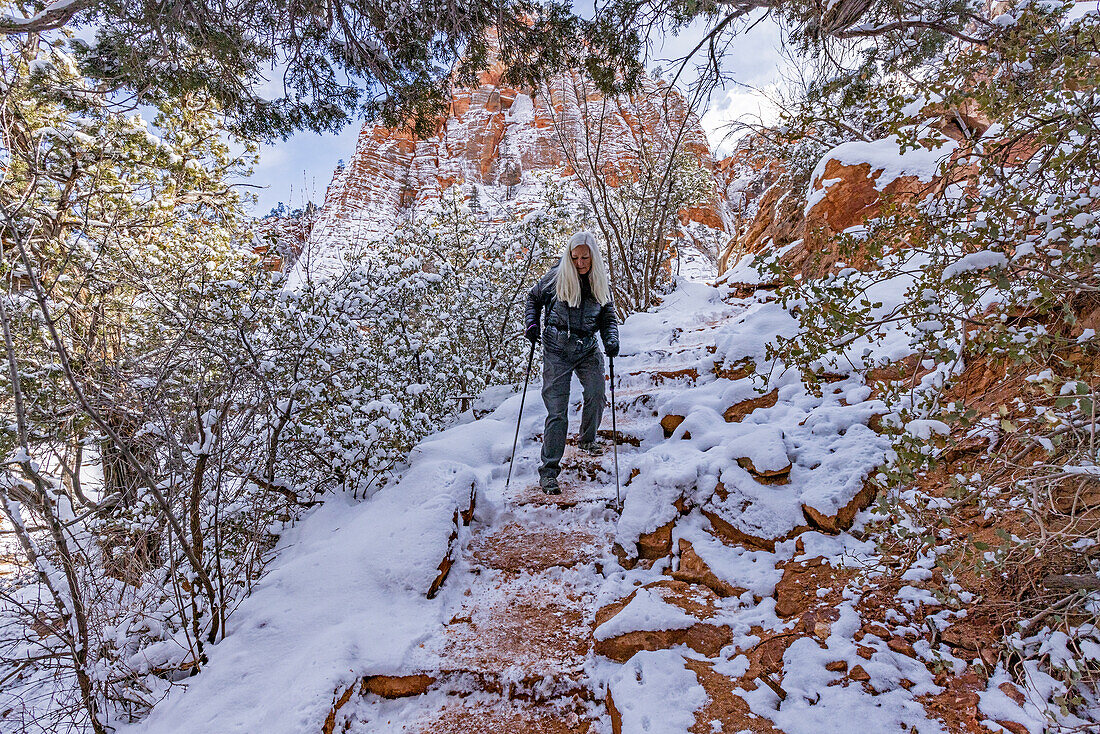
550,486
592,448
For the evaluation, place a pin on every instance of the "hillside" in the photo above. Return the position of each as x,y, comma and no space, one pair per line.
255,473
502,148
740,588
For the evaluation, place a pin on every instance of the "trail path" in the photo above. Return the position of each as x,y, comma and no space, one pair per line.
728,595
516,651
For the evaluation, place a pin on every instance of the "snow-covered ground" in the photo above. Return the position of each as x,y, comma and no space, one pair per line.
346,599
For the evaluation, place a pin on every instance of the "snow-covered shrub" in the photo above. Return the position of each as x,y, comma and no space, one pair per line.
990,274
170,403
439,305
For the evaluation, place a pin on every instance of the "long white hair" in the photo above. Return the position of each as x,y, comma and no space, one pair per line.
568,283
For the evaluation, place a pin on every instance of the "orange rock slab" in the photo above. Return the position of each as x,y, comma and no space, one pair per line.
699,602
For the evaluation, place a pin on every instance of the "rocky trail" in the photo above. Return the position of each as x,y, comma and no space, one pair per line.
515,653
536,616
737,590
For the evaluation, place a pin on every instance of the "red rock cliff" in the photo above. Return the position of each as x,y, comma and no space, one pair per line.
497,139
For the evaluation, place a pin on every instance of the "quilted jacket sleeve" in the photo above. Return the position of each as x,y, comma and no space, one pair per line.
534,304
609,328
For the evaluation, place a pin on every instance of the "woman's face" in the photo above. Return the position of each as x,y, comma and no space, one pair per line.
582,258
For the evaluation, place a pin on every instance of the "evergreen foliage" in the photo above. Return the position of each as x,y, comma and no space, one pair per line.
330,61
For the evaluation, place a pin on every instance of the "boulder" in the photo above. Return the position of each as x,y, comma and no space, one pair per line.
798,592
845,195
681,610
397,686
656,544
726,531
766,476
694,570
670,423
448,561
835,521
740,410
730,512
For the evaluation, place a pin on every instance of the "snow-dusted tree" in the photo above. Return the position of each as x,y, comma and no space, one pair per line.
442,302
167,401
336,59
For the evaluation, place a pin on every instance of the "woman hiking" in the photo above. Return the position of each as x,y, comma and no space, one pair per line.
574,299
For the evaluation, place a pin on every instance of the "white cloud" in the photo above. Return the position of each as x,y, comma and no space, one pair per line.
732,106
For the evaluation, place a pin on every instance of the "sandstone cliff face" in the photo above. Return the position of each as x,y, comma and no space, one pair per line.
500,141
850,186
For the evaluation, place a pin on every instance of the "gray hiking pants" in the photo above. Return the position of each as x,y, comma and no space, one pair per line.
562,355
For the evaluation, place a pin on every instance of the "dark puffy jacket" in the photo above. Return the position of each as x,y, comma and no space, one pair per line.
583,320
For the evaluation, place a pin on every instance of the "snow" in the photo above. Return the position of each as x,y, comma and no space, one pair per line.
925,429
347,571
973,262
995,705
655,694
646,611
54,7
752,570
295,633
815,703
1081,10
818,194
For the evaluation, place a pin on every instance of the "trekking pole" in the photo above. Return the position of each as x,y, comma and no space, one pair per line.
614,434
515,441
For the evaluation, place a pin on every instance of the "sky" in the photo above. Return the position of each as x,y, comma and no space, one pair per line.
298,170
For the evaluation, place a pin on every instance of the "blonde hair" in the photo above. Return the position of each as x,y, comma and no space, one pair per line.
567,285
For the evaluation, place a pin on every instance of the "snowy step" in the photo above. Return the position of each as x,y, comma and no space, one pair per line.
488,717
574,492
660,373
519,626
541,539
685,353
681,691
584,479
467,714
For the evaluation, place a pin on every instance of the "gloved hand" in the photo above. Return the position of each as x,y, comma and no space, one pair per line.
611,350
532,332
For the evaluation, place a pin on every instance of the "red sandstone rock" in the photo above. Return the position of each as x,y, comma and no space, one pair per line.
796,593
496,135
670,423
698,601
397,686
859,674
842,518
768,475
694,570
657,544
852,198
737,411
447,562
